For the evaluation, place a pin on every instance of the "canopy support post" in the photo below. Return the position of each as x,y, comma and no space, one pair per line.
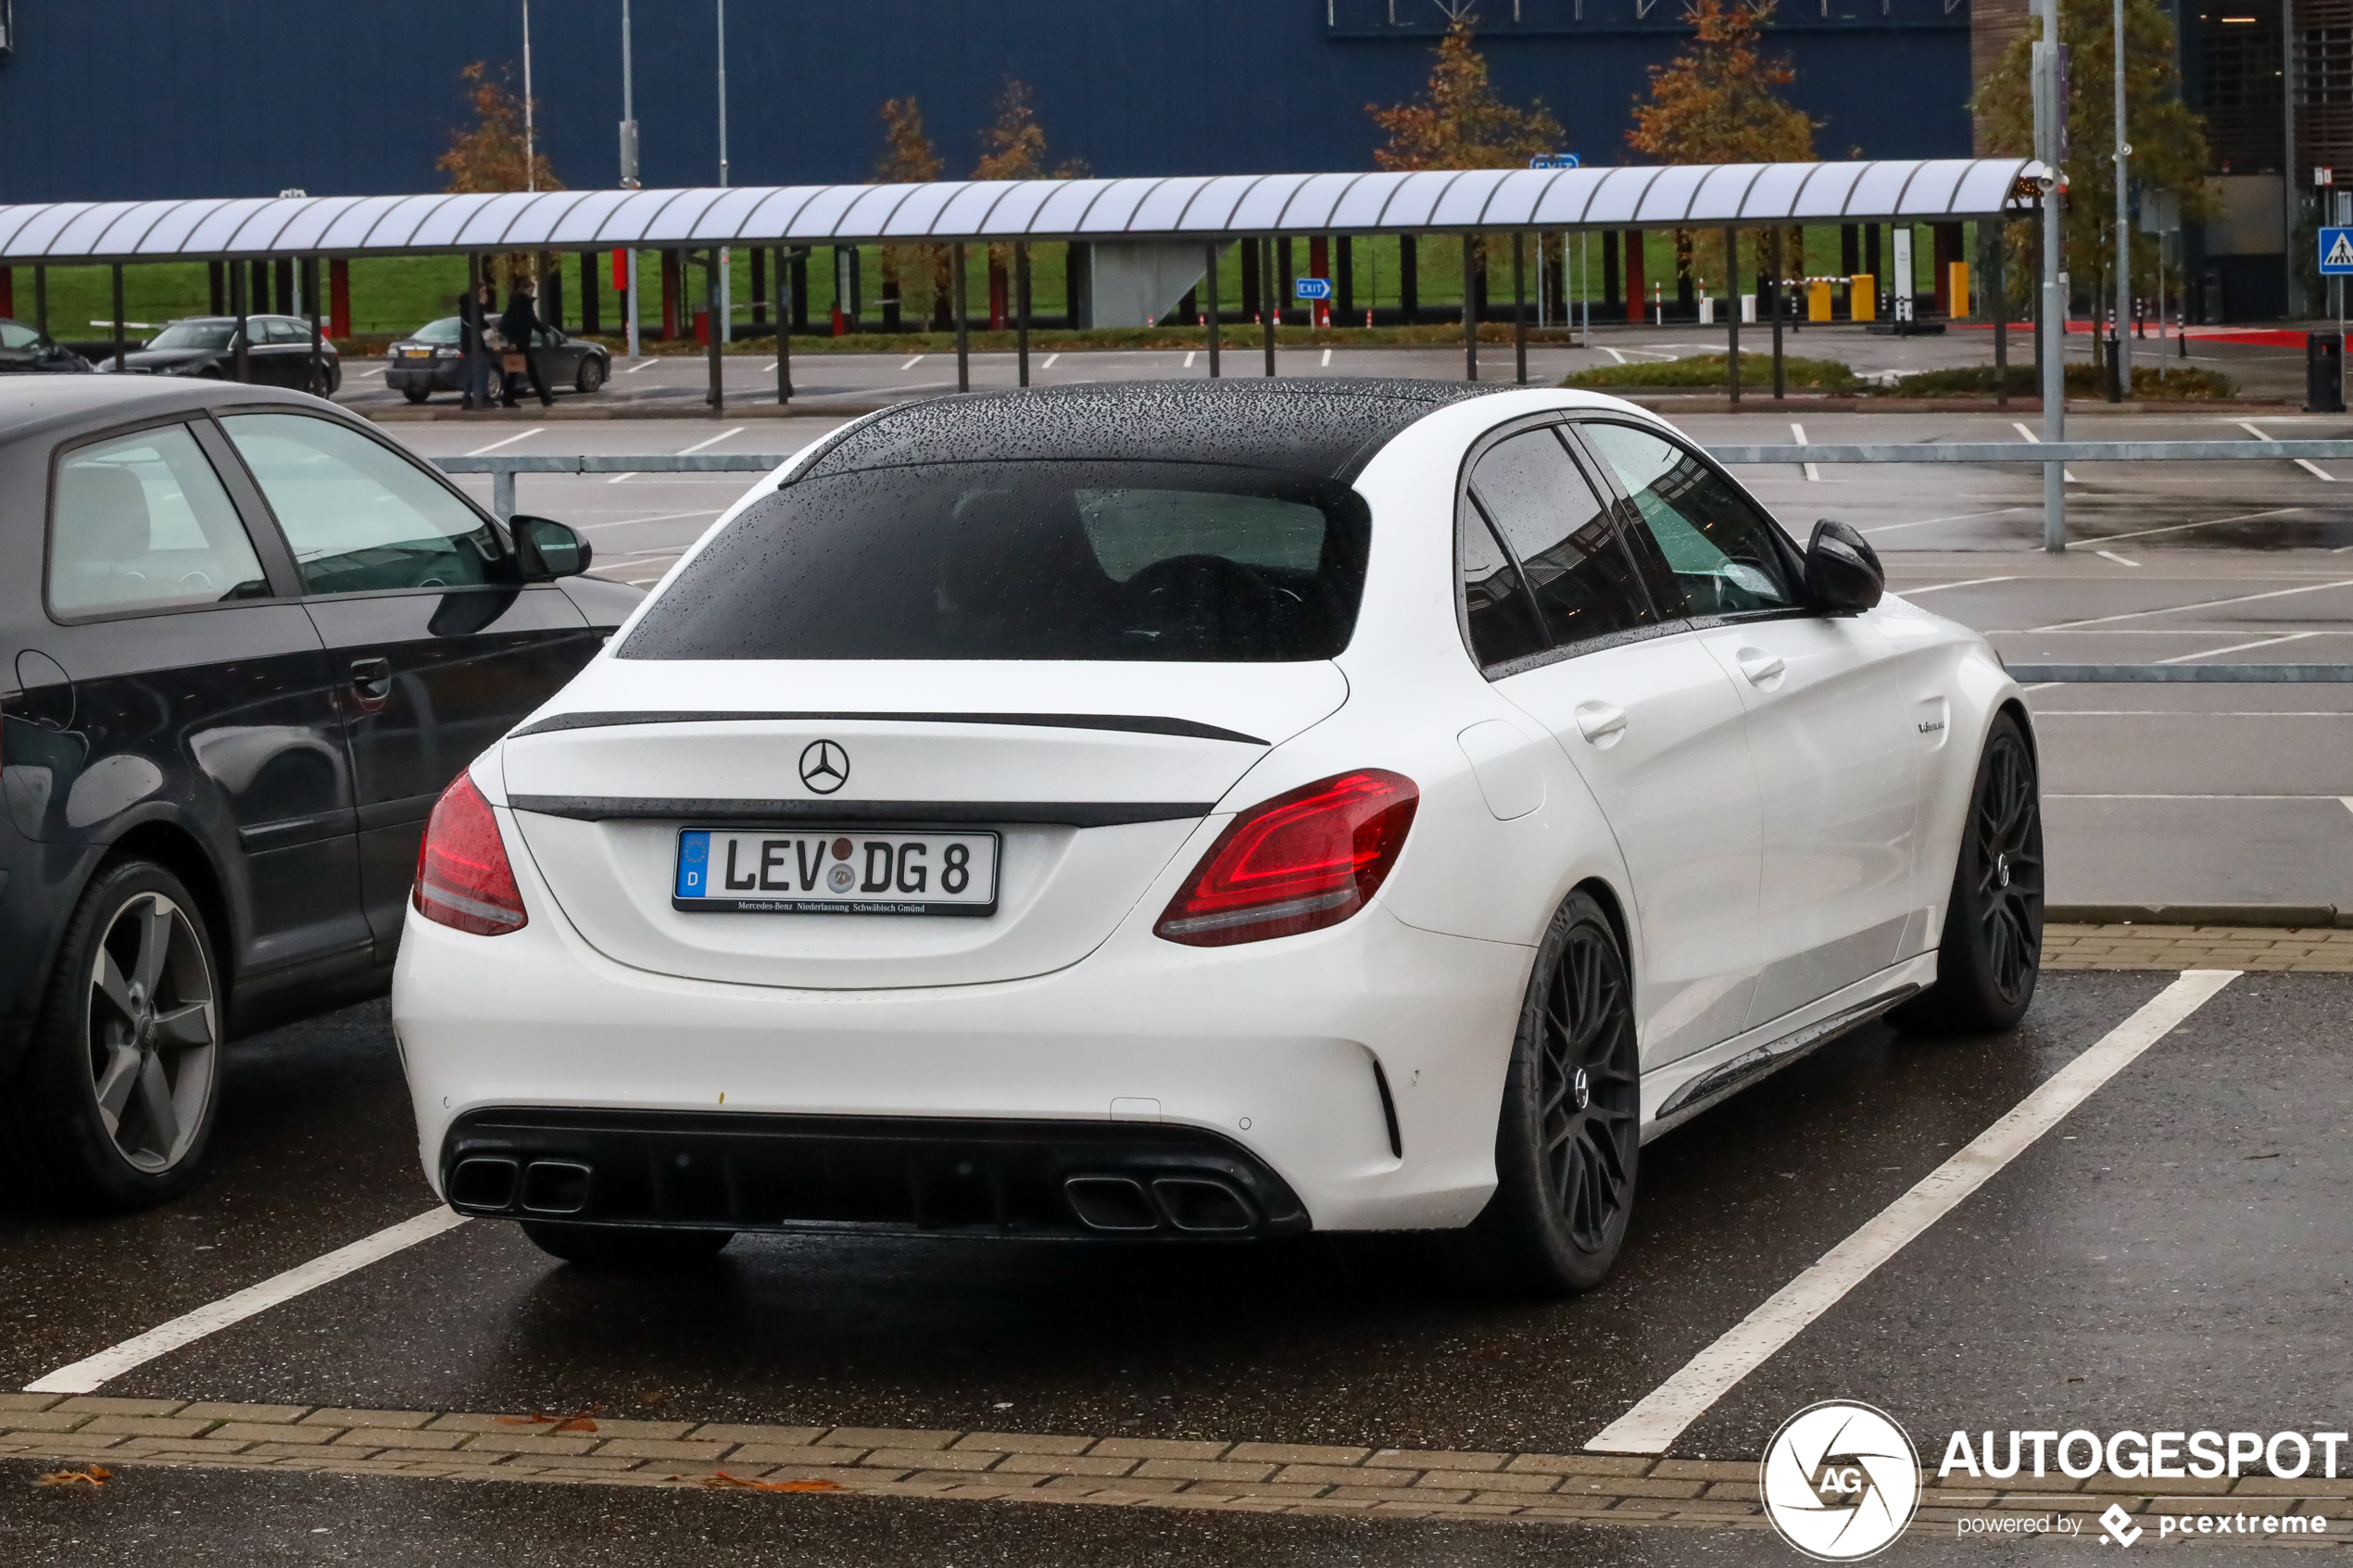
1210,280
318,382
1271,313
1997,295
718,328
783,310
1021,305
117,317
1733,302
238,284
1470,309
1781,390
1519,307
964,325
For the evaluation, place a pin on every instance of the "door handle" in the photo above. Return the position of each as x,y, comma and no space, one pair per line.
371,682
1761,668
1600,722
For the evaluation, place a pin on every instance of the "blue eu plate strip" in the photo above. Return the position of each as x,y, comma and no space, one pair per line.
694,864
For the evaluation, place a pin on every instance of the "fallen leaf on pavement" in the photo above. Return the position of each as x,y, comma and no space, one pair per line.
95,1475
720,1480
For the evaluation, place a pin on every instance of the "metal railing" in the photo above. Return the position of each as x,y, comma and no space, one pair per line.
503,470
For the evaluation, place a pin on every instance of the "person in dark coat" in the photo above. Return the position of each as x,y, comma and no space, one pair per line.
473,317
520,327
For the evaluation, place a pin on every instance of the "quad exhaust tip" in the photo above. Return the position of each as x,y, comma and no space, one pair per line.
494,1185
1200,1205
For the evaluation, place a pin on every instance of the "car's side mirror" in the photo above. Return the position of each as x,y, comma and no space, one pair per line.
546,549
1842,572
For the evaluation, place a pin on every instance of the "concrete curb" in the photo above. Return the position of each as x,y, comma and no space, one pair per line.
2298,917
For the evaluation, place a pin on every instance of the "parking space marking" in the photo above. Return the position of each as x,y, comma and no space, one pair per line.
2200,604
1972,583
87,1375
1662,1414
509,441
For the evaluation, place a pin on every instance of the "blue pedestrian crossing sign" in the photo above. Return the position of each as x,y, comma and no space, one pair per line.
1321,288
2337,253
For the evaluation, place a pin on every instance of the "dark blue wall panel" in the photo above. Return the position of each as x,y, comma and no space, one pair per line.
143,98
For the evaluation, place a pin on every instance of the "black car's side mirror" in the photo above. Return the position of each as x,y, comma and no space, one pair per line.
1842,572
546,549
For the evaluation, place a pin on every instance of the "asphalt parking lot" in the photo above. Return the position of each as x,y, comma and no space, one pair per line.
2171,1252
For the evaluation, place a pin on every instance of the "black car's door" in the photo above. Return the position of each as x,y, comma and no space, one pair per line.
194,690
438,645
559,359
283,357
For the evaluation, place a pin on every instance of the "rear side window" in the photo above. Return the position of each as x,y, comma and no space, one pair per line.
1571,563
142,521
362,518
1188,562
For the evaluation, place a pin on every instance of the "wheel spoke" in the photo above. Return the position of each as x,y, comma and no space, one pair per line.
155,946
155,1106
105,980
189,1025
114,1085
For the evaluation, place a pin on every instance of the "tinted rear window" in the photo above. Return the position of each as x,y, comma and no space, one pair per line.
1039,560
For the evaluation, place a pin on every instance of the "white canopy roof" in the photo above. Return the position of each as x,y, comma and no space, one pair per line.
1146,208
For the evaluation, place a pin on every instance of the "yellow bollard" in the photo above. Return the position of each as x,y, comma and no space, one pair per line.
1862,297
1956,290
1818,300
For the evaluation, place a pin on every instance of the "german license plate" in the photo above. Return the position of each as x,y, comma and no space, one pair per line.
835,871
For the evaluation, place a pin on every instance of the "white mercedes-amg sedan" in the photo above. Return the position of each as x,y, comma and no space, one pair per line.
1207,810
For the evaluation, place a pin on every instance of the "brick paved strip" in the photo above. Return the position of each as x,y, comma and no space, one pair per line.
1630,1491
2309,950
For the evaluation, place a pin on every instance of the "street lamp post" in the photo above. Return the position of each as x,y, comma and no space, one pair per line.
2123,227
723,317
628,177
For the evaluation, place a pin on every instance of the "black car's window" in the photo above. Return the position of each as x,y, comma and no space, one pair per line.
1498,615
142,521
362,518
1716,553
1564,537
1035,560
280,330
15,336
446,330
193,334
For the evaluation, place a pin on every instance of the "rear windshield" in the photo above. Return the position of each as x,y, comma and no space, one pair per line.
193,334
1042,560
443,331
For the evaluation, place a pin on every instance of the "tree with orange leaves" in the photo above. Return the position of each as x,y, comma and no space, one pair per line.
490,157
909,158
1458,122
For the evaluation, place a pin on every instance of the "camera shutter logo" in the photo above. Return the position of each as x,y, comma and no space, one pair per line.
1840,1481
824,767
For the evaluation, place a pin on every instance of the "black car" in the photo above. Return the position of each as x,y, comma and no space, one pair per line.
25,347
432,359
277,353
244,643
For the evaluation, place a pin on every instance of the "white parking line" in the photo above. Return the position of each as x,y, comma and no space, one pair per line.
2207,522
1956,517
714,440
1971,582
1188,357
1050,361
509,441
2305,463
85,1375
370,375
2201,604
1328,356
2345,801
1798,430
637,366
2021,427
908,366
1663,1413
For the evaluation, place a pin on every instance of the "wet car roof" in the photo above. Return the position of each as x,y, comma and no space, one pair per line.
1328,427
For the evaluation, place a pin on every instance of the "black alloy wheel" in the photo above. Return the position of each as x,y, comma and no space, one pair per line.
115,1103
592,373
1992,953
1569,1139
625,1248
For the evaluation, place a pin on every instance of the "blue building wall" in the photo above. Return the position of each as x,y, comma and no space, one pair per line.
155,98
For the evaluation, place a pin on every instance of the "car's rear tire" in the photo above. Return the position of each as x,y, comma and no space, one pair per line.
1991,951
114,1104
624,1248
1570,1135
592,374
415,394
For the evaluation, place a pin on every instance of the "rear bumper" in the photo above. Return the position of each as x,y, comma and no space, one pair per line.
435,375
1360,1068
713,1169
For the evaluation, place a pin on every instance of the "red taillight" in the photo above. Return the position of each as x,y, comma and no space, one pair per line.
1301,861
462,876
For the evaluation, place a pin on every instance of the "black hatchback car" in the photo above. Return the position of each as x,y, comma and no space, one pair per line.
432,359
25,347
277,353
244,643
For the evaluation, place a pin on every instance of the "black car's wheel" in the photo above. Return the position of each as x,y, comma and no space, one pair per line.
114,1104
416,393
1992,953
624,1250
494,386
592,373
1570,1136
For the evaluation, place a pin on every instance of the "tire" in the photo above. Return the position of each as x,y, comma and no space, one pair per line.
114,1104
625,1249
1992,953
415,394
1569,1137
592,374
494,387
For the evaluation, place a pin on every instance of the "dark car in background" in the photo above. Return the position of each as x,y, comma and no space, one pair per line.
24,347
245,641
277,353
432,358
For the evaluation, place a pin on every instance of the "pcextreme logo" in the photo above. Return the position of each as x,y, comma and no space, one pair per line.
1840,1481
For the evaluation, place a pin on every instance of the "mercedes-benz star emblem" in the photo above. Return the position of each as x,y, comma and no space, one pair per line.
824,767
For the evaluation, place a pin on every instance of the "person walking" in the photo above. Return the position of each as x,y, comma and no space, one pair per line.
520,327
474,319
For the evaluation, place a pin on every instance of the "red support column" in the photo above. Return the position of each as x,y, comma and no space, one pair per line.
338,298
8,291
1637,308
669,293
1319,265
